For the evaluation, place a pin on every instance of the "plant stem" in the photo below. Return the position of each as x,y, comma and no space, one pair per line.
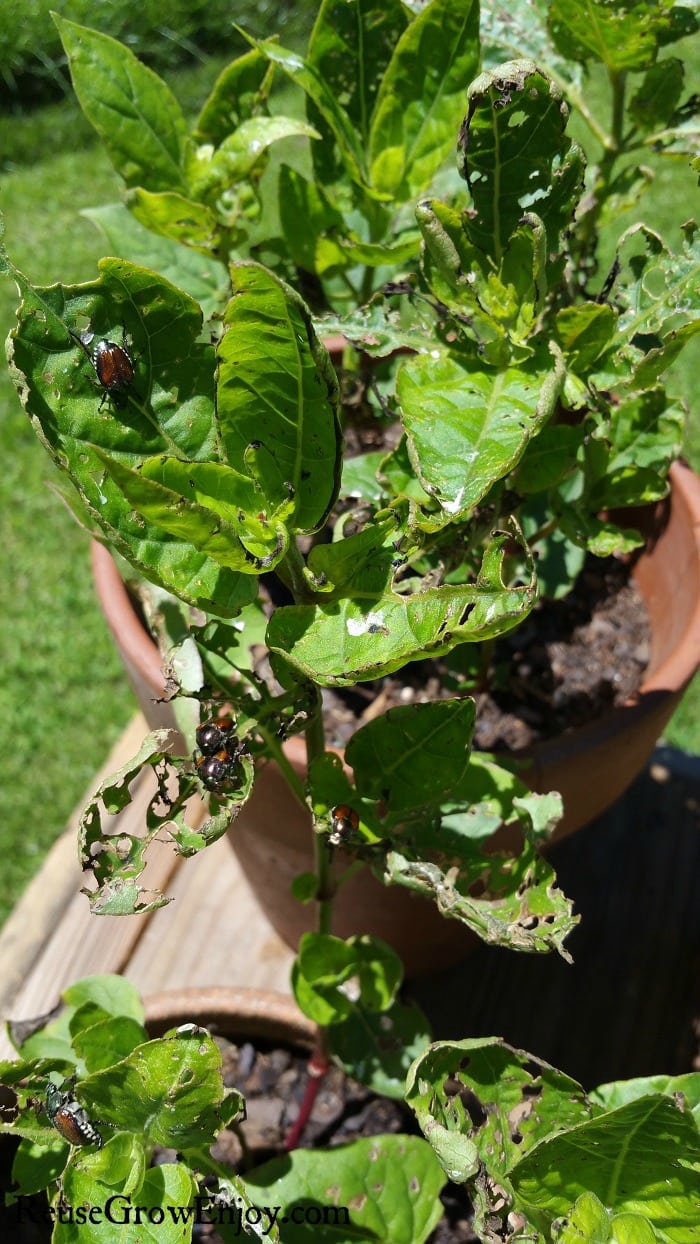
317,1068
542,532
316,746
617,82
291,571
484,675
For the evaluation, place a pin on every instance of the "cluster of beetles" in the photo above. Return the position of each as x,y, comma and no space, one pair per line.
221,749
217,768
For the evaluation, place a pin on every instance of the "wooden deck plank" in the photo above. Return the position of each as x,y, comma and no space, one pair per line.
42,906
213,933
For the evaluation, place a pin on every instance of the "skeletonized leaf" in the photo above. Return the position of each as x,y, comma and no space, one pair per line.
468,427
372,629
515,156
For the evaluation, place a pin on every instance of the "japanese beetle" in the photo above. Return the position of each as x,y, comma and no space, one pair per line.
344,823
70,1119
216,734
113,364
217,771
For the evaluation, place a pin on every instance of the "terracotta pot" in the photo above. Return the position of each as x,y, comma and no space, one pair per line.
591,766
231,1012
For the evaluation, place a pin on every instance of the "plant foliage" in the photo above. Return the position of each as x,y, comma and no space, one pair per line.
432,207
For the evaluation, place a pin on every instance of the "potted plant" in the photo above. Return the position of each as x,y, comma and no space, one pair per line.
497,404
502,405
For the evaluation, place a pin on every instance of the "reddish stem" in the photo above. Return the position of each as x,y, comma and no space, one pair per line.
317,1067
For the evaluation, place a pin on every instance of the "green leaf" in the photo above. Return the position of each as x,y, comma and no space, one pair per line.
681,136
384,1188
583,332
643,1158
599,537
209,522
379,329
350,47
322,95
165,1193
653,104
377,255
480,1100
371,630
135,114
310,224
588,1222
170,407
420,101
644,437
488,303
168,1092
108,1042
277,397
620,1092
360,476
620,34
37,1166
397,473
559,563
331,978
240,92
519,904
468,427
178,217
514,28
549,457
378,1047
658,297
117,863
111,993
514,155
413,755
243,154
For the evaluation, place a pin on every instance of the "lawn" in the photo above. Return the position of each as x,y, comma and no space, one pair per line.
63,696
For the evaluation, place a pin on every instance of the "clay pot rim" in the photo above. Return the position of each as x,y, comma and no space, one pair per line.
242,1011
142,652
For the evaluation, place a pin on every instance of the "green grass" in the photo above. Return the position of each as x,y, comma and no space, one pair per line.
63,695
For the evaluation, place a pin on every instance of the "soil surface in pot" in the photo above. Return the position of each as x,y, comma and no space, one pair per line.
568,663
